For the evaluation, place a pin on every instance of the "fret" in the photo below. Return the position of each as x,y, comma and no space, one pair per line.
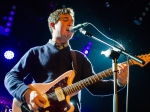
66,90
104,72
97,77
101,75
91,79
87,80
80,83
109,71
94,78
76,87
79,86
70,89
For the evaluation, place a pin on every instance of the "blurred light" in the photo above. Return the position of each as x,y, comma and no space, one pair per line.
8,24
143,14
90,43
51,5
4,18
63,6
86,52
71,103
7,30
137,22
14,7
146,9
10,18
12,12
107,4
9,55
88,47
140,19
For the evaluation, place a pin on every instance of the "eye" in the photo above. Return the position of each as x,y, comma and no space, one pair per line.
65,20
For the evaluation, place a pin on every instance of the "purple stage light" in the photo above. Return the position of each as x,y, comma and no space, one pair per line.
12,13
10,18
8,24
9,55
90,43
85,52
7,30
88,47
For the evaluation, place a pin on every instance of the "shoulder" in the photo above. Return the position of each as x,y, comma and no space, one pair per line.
38,49
80,55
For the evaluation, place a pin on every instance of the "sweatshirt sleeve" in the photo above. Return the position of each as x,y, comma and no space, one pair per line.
14,79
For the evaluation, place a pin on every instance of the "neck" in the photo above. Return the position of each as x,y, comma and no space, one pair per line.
59,41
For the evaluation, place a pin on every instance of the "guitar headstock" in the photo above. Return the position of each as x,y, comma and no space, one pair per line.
145,57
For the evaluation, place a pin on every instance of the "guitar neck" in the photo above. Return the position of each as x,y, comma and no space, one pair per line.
89,81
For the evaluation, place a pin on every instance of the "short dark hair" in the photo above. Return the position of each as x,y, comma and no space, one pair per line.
54,16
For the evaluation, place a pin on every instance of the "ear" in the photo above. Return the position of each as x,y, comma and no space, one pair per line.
52,25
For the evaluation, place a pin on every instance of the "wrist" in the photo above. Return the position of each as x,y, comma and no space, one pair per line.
121,84
24,94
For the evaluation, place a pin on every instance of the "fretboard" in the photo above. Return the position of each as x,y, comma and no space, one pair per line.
89,81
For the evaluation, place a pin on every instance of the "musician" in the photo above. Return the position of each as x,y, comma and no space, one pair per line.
48,62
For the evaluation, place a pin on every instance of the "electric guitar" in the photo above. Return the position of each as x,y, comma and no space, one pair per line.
59,92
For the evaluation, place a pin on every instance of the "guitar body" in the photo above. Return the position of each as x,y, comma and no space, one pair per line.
46,89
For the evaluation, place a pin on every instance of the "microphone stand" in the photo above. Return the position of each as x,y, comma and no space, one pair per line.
114,54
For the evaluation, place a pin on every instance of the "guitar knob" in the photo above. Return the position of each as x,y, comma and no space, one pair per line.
65,109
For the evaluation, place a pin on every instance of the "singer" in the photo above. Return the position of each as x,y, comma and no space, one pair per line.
51,68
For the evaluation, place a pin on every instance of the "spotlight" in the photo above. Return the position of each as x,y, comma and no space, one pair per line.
9,55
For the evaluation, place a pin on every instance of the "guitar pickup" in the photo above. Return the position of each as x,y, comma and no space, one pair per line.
59,93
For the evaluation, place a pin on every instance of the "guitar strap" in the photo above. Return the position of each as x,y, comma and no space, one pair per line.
74,65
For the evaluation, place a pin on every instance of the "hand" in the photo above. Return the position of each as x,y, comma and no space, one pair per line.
34,100
122,74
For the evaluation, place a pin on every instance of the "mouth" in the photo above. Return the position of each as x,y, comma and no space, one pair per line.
67,30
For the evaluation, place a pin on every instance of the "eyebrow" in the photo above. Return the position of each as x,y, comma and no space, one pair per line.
66,18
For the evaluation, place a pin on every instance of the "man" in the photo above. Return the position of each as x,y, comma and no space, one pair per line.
48,62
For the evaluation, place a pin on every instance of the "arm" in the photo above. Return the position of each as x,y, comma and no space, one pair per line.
14,80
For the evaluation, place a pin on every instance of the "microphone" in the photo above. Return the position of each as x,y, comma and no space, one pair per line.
77,27
84,32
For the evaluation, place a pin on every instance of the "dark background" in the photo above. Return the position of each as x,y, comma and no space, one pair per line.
114,18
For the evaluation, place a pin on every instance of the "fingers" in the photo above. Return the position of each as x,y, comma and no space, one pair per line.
122,74
40,101
36,101
122,68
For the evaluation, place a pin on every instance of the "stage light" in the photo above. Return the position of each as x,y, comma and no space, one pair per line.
86,52
12,13
9,55
90,43
10,18
7,30
87,48
8,24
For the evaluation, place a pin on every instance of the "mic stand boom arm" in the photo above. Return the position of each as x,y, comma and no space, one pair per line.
121,51
114,54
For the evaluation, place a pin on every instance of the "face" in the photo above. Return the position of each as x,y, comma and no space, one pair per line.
61,28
